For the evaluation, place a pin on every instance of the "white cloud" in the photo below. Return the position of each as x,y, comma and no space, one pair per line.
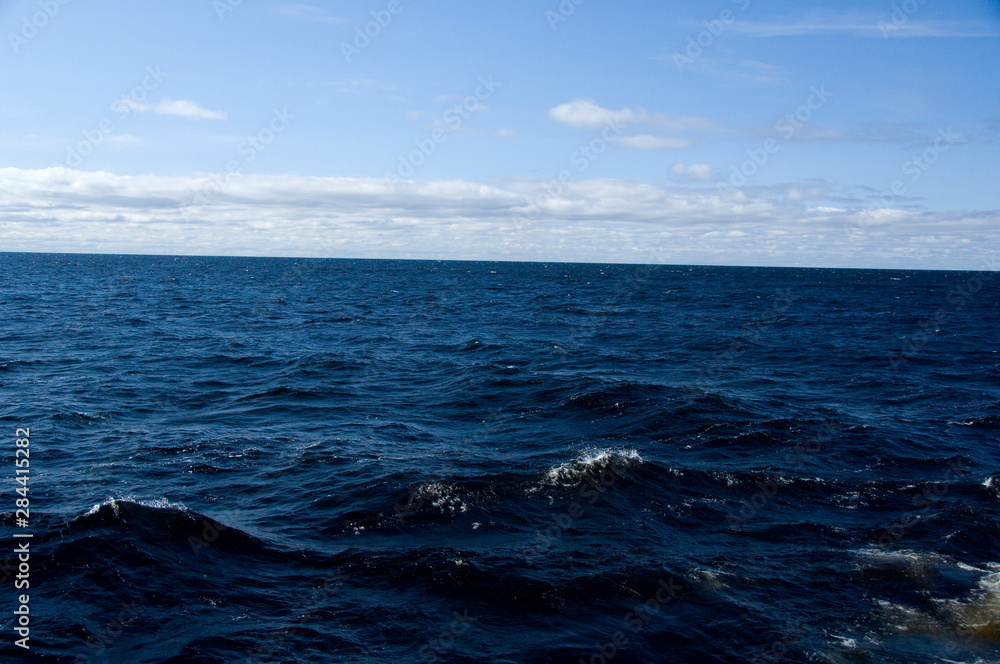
586,114
58,209
647,142
504,132
183,108
693,172
188,109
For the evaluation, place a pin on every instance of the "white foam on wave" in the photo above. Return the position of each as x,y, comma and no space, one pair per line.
593,462
851,500
902,557
978,615
158,503
708,580
959,621
442,495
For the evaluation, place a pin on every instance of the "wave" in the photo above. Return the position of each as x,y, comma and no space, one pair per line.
115,504
148,526
964,605
985,422
594,465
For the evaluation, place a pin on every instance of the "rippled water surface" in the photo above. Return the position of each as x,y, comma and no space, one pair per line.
287,460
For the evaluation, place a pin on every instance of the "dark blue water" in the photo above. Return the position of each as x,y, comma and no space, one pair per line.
283,460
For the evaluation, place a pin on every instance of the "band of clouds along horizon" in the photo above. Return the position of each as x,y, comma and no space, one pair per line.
381,217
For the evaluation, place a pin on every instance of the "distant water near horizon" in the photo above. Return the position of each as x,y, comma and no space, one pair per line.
304,460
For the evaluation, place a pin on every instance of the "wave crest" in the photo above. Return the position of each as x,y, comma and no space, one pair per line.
592,464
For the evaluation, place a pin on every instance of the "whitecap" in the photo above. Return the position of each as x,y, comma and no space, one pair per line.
442,495
591,464
157,503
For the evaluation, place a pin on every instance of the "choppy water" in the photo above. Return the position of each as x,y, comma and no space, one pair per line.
247,460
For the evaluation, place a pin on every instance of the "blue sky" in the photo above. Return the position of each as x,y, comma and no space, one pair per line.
727,132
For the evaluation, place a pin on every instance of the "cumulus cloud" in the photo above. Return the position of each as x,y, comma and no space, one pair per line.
58,209
188,109
183,108
693,172
587,114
